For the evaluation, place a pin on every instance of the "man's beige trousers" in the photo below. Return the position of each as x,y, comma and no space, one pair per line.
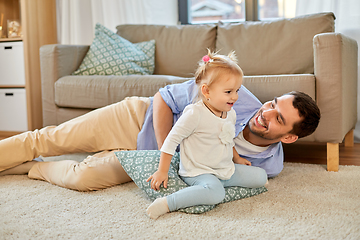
114,127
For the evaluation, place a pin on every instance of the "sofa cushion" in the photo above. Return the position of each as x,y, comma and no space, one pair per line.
110,54
98,91
274,47
279,85
178,48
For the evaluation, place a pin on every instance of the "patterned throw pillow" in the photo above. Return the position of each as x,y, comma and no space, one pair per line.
110,54
141,164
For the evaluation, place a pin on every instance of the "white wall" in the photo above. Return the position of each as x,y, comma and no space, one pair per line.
77,18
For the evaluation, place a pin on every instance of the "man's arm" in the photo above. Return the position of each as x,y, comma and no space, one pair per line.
162,119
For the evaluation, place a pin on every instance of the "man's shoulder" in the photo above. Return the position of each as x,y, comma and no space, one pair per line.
246,95
178,96
181,87
247,103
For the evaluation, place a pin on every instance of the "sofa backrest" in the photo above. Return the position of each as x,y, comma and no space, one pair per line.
177,48
274,47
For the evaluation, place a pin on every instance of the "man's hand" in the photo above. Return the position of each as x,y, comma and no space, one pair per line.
157,179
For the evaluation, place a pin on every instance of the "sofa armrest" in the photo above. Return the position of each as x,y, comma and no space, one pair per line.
335,69
57,61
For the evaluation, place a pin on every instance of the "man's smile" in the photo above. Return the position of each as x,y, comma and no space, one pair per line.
259,121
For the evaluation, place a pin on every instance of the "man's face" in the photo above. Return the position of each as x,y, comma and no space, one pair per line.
275,119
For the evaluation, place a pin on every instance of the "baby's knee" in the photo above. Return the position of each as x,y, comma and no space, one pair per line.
261,178
215,193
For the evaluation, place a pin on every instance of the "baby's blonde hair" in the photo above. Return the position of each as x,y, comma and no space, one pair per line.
214,61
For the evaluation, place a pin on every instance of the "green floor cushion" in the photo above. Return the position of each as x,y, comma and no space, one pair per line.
141,164
110,54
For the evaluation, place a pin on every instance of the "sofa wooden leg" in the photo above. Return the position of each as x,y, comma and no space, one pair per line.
349,139
333,157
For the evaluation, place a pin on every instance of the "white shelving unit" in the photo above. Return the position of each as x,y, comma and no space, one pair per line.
20,93
13,106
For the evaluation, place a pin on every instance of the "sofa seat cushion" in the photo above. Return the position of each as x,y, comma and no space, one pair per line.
278,47
178,48
98,91
265,88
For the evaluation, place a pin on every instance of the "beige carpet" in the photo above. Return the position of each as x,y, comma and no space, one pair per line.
303,202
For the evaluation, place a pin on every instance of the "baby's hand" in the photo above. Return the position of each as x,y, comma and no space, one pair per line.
240,160
157,179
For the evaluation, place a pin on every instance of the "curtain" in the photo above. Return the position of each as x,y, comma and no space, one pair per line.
77,18
347,13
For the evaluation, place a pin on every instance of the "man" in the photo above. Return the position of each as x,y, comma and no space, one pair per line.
260,129
143,123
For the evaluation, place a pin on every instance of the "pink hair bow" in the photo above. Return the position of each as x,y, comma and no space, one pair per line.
206,58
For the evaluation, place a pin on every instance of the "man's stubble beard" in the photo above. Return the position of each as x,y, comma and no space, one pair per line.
261,134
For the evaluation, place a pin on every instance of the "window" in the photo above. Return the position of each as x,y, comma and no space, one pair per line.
215,10
200,11
276,9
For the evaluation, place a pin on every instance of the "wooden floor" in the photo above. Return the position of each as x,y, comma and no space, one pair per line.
316,153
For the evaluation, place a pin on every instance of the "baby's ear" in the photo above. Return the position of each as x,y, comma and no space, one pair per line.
205,90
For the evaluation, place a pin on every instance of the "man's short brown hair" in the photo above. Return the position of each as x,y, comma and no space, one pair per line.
308,111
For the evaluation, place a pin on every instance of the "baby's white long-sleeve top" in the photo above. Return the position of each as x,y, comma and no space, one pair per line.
206,142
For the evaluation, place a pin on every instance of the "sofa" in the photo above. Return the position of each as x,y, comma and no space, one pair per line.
304,53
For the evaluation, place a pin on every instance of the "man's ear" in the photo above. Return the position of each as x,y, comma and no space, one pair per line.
289,138
205,90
